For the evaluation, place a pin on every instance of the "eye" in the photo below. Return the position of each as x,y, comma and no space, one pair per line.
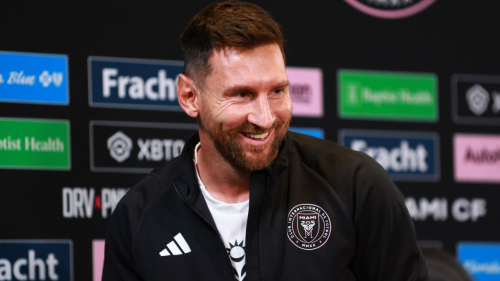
279,91
242,95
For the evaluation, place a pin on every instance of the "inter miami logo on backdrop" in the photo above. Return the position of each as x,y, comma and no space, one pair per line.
393,9
308,226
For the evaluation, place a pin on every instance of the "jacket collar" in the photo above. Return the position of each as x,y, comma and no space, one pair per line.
186,181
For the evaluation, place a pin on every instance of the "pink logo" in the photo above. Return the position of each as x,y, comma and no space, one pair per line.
98,258
306,90
390,9
308,226
477,158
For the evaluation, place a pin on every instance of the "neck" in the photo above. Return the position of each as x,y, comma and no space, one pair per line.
221,179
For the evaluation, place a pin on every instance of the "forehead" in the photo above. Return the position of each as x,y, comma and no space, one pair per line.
254,67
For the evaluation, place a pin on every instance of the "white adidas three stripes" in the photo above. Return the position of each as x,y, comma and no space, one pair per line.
173,249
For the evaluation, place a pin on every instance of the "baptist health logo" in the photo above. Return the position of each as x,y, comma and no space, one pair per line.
381,95
34,78
34,144
133,83
119,146
36,260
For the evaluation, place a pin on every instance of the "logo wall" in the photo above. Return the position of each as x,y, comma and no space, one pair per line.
476,99
393,9
34,78
36,260
477,158
134,146
398,96
133,83
480,259
406,156
82,202
306,91
34,144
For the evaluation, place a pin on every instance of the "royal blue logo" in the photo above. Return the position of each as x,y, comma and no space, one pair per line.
34,78
314,132
36,260
481,260
134,83
406,156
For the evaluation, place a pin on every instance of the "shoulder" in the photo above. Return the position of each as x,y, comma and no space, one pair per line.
138,198
318,153
354,176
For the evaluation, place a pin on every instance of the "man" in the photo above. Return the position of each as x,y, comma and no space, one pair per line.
246,199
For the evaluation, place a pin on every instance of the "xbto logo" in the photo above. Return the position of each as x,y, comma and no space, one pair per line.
119,146
135,147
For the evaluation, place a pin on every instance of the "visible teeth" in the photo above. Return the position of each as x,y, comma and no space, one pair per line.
259,137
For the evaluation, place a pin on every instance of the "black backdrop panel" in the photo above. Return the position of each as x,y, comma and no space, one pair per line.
456,40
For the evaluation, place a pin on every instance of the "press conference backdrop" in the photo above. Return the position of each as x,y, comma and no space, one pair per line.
88,106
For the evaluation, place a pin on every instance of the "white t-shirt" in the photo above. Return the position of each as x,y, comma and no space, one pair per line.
231,221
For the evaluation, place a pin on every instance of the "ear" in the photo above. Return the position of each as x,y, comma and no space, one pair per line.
187,95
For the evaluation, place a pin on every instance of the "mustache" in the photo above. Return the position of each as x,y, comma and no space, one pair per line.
250,128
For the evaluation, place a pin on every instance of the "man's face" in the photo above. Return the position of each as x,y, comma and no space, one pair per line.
245,106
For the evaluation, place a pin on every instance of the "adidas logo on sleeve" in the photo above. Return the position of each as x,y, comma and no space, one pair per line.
174,248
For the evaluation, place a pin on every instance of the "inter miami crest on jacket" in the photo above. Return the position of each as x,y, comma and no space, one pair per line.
308,226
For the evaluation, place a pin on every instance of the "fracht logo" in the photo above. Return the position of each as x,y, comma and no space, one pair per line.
133,83
397,96
36,260
480,259
34,78
406,156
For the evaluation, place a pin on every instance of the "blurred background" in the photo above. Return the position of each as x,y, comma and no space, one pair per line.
88,106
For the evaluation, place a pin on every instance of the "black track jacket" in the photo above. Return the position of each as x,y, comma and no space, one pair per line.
361,228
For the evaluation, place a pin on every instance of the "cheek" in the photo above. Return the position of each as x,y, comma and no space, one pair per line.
283,109
234,116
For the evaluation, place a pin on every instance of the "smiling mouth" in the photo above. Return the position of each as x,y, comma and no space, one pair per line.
256,136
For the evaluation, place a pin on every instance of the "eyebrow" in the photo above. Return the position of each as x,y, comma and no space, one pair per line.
240,89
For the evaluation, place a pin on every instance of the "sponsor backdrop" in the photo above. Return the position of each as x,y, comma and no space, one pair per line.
88,106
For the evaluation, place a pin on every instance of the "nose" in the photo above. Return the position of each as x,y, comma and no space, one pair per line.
261,113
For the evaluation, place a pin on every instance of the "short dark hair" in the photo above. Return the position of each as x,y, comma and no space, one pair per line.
235,24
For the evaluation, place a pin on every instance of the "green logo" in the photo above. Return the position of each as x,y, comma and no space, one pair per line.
34,144
388,95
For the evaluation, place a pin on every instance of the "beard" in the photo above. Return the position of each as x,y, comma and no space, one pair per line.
235,152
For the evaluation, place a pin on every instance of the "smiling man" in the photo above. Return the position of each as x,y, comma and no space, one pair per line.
246,199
